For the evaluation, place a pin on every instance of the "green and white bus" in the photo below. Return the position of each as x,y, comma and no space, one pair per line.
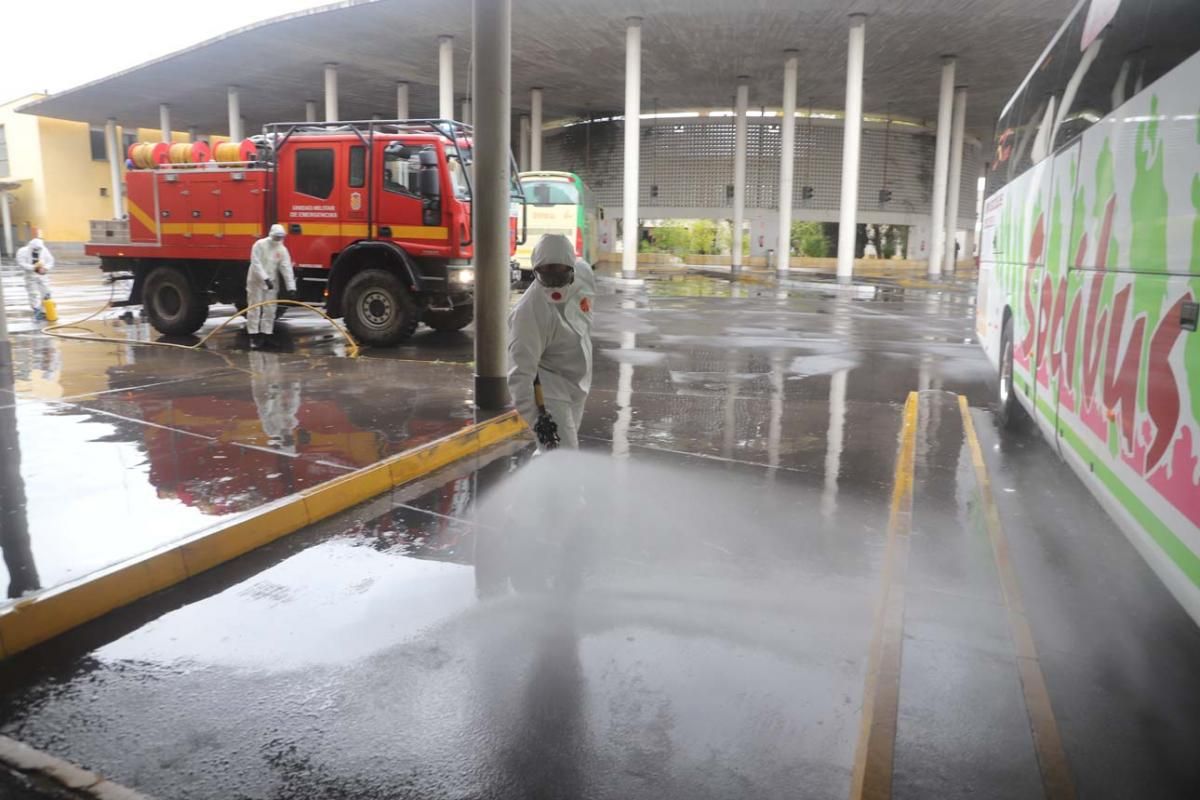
1090,267
558,202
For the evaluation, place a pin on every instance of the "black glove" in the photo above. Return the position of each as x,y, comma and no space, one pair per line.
546,429
289,294
270,286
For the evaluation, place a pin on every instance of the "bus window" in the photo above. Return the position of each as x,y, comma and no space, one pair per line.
1109,69
1002,150
1032,135
1174,27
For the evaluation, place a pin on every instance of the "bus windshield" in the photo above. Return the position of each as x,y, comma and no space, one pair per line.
551,193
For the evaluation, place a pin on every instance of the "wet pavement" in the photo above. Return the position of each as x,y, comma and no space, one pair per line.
685,610
119,448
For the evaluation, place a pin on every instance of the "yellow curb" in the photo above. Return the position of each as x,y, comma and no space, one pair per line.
84,783
36,619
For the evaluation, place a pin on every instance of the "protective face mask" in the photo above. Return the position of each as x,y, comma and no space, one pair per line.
556,294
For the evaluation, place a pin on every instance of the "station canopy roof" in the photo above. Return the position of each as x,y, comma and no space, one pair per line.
692,53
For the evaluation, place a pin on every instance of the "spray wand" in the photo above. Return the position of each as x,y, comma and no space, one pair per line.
546,429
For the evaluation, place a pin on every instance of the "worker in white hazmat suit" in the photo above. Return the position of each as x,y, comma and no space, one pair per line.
270,265
550,338
36,261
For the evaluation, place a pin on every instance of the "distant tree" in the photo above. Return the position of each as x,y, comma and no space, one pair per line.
671,237
808,239
703,237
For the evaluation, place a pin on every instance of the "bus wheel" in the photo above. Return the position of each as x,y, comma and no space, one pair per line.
1012,414
450,320
378,308
172,304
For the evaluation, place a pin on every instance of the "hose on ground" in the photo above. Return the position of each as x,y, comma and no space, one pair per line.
56,330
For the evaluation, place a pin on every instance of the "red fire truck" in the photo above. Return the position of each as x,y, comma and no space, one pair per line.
378,215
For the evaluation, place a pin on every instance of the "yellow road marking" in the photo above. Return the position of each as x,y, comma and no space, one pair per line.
873,757
1057,783
35,619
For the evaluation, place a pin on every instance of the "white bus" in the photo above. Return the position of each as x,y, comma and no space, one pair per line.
558,202
1090,267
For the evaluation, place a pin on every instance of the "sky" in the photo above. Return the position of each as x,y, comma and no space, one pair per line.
41,53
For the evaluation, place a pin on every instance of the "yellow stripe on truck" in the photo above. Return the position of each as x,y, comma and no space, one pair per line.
141,216
358,230
354,230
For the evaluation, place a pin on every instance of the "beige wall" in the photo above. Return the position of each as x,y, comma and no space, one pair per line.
71,182
25,164
62,185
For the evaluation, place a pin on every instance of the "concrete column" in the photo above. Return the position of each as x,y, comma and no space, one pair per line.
492,90
787,161
6,224
235,115
466,112
535,125
633,141
523,145
976,212
193,134
401,100
953,188
331,93
310,111
164,121
941,167
113,144
739,171
445,77
851,147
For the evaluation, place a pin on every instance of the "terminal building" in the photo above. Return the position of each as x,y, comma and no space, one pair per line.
925,79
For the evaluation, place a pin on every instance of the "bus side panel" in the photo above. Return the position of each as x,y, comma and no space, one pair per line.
1054,290
990,298
1146,153
1014,236
1129,415
1129,398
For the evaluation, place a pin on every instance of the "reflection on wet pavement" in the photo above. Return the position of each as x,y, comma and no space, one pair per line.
155,455
115,448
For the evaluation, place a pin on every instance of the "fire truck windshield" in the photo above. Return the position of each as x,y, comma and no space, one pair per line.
458,174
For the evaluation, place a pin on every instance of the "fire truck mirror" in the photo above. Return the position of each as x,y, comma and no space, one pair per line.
430,181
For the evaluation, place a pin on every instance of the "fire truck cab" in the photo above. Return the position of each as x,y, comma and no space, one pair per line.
378,216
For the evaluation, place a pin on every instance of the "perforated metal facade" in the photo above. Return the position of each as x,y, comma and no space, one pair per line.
689,164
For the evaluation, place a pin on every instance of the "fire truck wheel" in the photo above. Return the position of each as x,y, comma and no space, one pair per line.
450,319
174,307
378,308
